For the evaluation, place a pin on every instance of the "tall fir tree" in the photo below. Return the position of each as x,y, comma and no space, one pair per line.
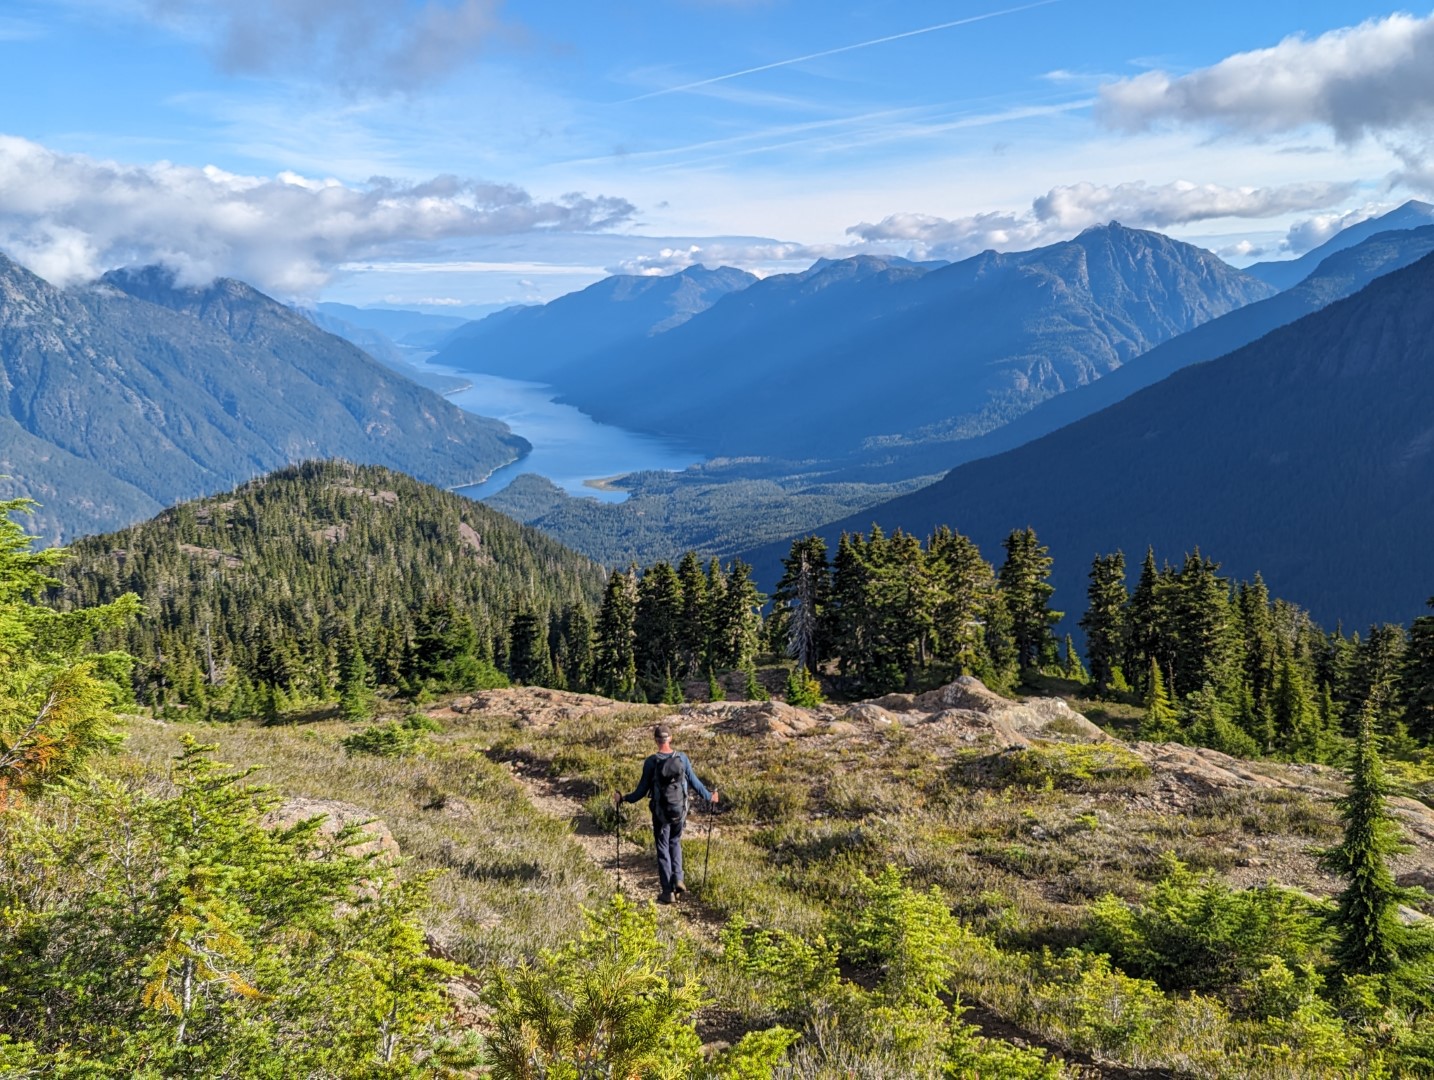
803,593
658,628
356,697
577,648
695,615
1025,586
737,619
529,661
1146,637
964,585
1258,661
1104,619
614,651
1370,937
1160,721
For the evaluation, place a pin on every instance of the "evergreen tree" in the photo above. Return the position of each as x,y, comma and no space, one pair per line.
1027,592
577,648
1104,619
356,698
1071,666
1417,678
1299,732
714,648
528,660
1258,661
754,690
1375,677
737,619
658,626
1206,635
614,653
1370,937
695,615
1159,723
964,585
1146,623
804,592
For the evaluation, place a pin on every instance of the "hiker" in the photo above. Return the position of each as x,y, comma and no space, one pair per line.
666,777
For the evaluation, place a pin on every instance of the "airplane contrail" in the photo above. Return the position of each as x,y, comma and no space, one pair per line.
840,49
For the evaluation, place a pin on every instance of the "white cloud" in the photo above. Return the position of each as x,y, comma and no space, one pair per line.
751,257
383,44
70,217
1376,77
1063,211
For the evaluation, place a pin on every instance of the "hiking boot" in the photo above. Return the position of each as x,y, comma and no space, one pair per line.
680,888
665,898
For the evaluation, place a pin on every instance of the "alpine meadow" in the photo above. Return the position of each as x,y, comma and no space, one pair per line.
751,540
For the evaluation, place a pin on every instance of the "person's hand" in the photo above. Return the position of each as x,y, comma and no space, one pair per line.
716,797
616,799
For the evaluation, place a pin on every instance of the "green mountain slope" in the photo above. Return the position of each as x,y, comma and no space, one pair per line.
177,392
266,579
1307,456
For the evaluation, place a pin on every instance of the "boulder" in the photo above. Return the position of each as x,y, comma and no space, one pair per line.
337,816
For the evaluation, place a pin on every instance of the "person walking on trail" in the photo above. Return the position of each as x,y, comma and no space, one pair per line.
667,777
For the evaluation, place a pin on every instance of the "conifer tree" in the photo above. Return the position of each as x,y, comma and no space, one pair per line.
1370,937
804,592
1258,660
1159,723
658,627
1375,677
963,584
356,699
737,619
1299,732
529,662
714,613
1417,678
1027,592
1104,619
695,616
1147,622
577,648
1071,666
614,655
1206,636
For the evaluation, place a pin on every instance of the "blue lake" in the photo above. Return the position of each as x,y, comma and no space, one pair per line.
570,448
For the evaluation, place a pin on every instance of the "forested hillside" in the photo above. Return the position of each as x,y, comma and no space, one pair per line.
265,597
176,392
1307,456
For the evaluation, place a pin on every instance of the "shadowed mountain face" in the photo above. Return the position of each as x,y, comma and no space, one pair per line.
170,392
1307,455
1340,275
1286,273
814,364
535,342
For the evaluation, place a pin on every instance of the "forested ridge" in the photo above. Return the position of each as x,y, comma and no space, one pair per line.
253,599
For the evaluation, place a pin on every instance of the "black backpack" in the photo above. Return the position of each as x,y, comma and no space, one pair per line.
670,783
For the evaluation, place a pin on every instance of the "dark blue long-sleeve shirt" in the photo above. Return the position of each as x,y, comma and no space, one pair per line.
648,784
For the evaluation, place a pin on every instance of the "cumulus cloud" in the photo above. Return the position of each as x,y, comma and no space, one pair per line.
383,44
1063,211
1376,77
69,217
753,257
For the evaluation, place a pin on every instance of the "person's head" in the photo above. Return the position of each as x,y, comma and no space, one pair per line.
662,735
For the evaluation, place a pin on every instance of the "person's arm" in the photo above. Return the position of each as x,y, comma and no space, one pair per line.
692,781
645,784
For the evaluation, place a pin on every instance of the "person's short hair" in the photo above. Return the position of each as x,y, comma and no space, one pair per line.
661,733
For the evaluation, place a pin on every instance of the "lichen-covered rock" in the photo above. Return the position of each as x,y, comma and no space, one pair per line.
337,816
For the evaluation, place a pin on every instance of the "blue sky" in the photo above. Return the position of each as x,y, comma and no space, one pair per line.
524,149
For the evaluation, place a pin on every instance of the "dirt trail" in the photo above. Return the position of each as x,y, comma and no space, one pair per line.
637,877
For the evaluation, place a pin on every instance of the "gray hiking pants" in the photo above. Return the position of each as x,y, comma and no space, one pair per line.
668,838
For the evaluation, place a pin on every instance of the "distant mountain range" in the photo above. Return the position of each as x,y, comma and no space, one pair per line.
1284,274
536,343
1307,455
128,395
814,364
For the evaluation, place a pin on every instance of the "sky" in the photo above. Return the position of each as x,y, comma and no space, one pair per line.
454,154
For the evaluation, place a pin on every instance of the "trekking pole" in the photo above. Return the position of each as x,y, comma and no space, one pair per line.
617,836
707,852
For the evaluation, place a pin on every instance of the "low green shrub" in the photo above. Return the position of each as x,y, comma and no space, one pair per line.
1194,932
1070,766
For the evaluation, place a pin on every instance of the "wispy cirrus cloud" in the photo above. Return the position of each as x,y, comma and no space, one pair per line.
69,217
1065,210
1374,78
822,54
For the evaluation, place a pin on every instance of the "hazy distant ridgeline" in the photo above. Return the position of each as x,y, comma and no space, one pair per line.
1307,456
812,364
131,394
